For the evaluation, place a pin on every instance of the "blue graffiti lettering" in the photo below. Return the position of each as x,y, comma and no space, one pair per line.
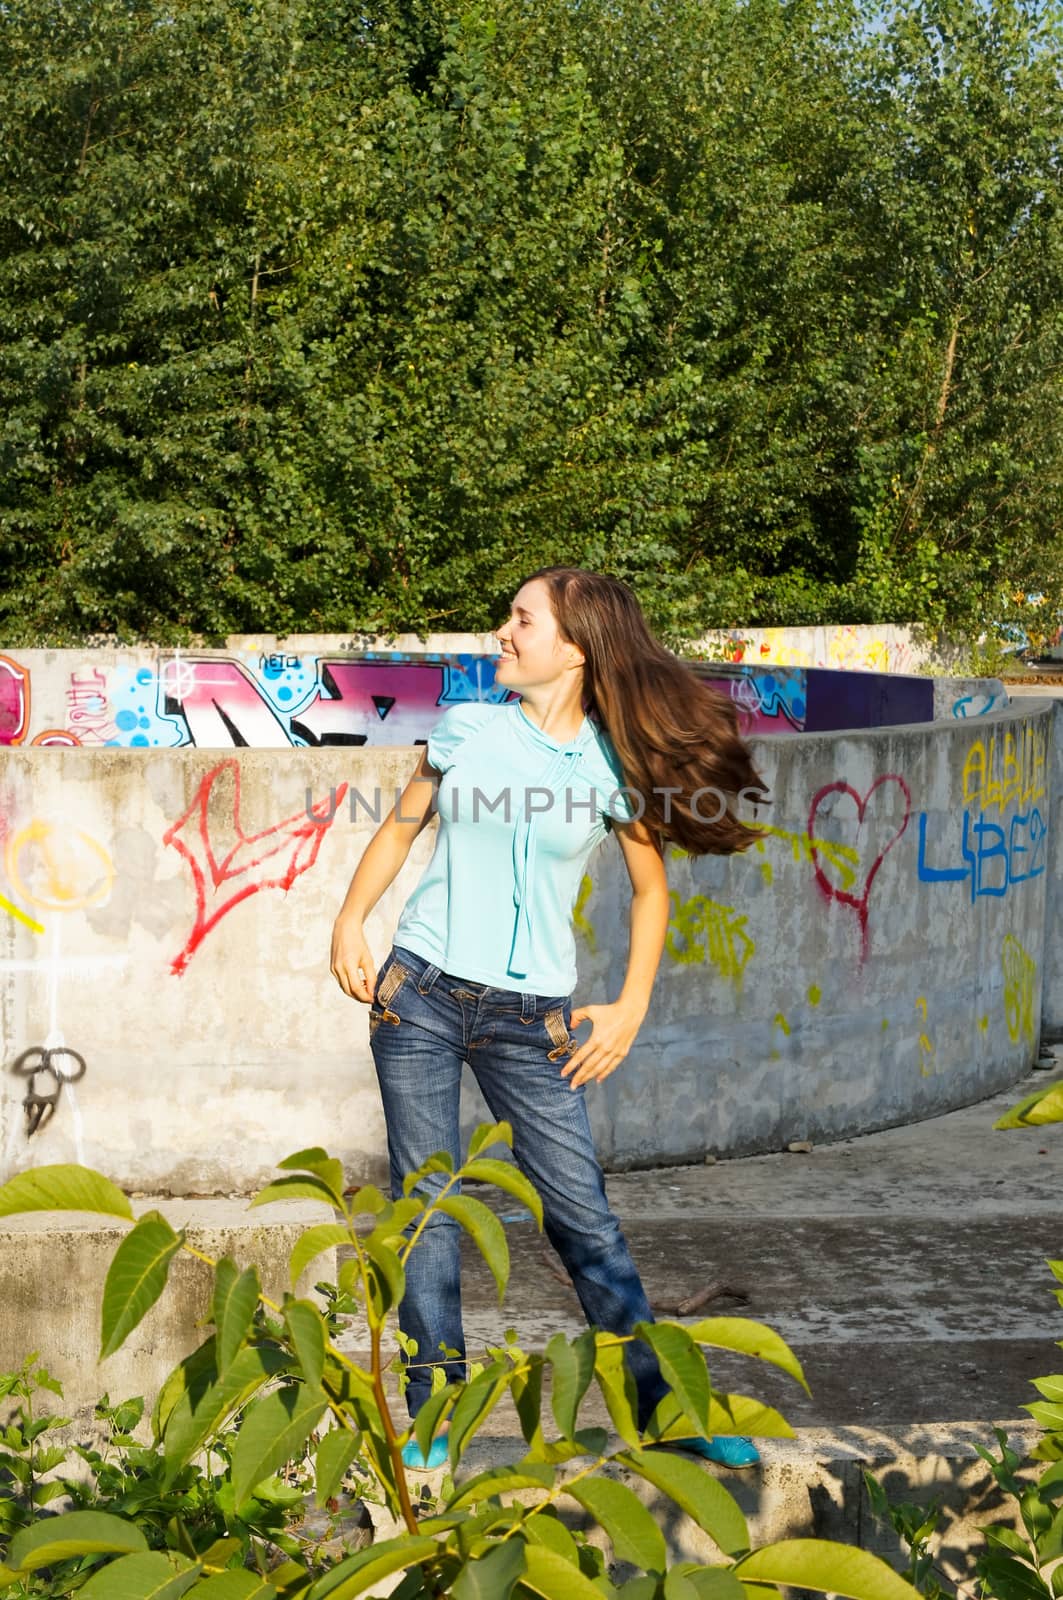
996,855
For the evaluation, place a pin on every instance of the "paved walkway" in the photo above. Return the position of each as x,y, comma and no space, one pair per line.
906,1268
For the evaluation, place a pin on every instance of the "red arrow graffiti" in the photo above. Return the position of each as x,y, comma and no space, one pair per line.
283,851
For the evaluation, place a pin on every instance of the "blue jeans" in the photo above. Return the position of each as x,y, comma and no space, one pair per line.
424,1024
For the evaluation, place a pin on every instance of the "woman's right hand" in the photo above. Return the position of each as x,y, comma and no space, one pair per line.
352,963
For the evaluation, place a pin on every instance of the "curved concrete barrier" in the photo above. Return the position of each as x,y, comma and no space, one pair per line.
876,959
166,914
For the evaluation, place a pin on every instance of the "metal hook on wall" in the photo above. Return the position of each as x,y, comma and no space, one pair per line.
32,1063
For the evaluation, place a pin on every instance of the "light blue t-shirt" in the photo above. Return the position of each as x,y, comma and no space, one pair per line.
519,814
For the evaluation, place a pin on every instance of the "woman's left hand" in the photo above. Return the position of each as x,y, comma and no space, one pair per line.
613,1030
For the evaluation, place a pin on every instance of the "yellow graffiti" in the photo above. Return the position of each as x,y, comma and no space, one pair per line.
842,857
926,1048
59,869
20,916
815,994
579,921
1006,769
726,942
781,1022
1020,978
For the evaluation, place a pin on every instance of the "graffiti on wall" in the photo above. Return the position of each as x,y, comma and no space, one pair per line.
277,700
880,816
1020,985
847,648
229,865
1004,774
701,929
768,702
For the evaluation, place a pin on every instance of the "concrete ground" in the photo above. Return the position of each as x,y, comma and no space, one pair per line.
905,1268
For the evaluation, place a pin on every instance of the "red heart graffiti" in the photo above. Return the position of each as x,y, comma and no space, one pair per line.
830,890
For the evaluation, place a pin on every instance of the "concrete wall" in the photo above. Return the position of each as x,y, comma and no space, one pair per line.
166,914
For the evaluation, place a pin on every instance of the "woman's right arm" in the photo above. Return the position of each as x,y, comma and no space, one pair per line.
352,960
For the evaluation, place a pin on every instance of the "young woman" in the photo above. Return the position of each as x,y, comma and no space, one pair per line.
610,733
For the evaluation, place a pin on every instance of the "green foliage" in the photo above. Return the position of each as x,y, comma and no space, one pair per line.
322,316
279,1411
1014,1565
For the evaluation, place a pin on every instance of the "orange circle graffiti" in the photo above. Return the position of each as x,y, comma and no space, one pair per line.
59,869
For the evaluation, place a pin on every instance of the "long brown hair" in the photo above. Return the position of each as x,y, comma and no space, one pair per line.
669,730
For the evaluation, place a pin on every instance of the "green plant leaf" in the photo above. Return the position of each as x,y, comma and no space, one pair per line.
696,1492
197,1370
313,1243
309,1336
387,1276
208,1401
274,1430
234,1586
236,1297
489,1133
504,1175
155,1576
218,1555
547,1573
430,1415
1007,1578
819,1564
301,1188
323,1166
63,1188
304,1160
748,1338
358,1572
683,1365
728,1413
491,1576
617,1384
1044,1105
545,1527
644,1588
136,1277
688,1581
502,1480
487,1232
632,1529
335,1452
474,1404
441,1161
77,1533
572,1367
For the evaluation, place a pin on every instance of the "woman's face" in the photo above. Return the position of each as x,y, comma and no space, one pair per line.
533,651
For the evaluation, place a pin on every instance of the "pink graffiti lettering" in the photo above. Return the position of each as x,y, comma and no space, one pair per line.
857,898
366,693
232,868
88,712
14,701
221,704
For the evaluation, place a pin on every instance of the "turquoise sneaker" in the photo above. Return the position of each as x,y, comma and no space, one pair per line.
726,1449
437,1454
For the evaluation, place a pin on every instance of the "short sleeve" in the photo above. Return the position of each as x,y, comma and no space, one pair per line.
617,799
456,725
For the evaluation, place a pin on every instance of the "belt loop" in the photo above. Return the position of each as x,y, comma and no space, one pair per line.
527,1008
427,979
